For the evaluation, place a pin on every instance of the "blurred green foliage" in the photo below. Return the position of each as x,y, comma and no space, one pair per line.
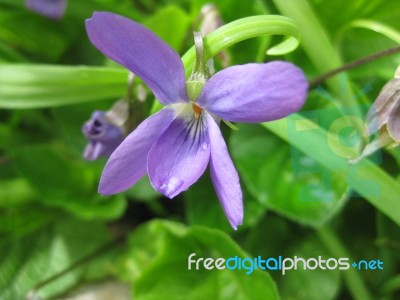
52,78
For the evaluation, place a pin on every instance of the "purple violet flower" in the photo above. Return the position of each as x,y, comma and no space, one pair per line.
54,9
104,137
175,145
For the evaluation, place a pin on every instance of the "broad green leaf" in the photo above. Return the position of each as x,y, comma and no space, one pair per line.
26,262
67,184
37,86
158,263
283,180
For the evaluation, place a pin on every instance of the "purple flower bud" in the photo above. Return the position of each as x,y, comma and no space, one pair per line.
103,136
53,9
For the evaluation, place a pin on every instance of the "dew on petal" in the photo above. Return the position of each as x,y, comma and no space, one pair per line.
169,188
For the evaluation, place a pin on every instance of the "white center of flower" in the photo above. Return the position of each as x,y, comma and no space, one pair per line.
187,110
192,115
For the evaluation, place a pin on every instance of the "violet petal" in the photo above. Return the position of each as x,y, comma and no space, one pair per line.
142,52
54,9
128,162
224,176
179,157
94,150
255,92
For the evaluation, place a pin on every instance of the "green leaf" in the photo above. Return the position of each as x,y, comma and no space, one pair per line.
30,260
285,181
158,261
66,183
37,86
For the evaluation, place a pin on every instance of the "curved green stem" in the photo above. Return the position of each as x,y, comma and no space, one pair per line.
244,29
372,25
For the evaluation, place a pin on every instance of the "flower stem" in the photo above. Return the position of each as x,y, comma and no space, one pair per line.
367,59
201,67
351,277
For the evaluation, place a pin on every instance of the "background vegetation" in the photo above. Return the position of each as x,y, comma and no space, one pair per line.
301,195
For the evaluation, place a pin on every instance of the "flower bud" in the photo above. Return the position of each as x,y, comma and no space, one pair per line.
384,115
54,9
383,119
210,20
105,131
